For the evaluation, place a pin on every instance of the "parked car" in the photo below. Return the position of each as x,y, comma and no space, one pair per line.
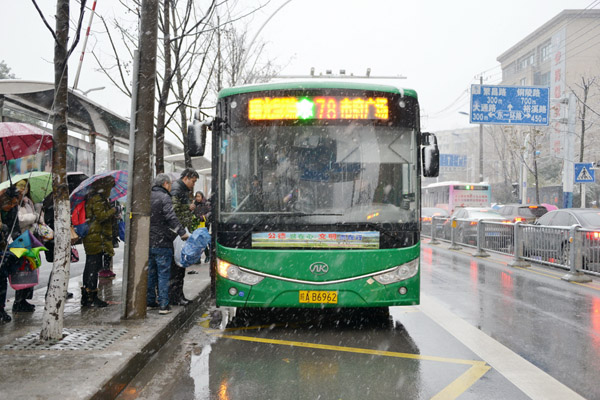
553,244
525,213
467,221
427,214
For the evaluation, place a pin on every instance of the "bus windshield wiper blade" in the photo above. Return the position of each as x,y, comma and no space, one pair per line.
378,227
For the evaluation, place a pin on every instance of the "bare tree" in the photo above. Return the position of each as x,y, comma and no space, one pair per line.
53,319
193,57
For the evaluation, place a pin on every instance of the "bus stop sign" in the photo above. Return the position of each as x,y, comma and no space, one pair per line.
584,173
510,105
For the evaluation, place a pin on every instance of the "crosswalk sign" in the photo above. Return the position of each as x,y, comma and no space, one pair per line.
584,173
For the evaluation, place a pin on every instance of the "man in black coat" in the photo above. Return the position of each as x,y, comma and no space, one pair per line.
182,204
164,228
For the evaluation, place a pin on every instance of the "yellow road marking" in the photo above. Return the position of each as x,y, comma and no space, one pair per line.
351,349
452,391
462,383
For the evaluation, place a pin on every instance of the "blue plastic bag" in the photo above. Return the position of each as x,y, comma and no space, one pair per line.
122,230
194,246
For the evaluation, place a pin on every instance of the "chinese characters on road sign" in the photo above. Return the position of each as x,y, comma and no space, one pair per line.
509,105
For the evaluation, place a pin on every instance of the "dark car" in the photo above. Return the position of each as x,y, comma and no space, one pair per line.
467,219
549,240
525,213
427,214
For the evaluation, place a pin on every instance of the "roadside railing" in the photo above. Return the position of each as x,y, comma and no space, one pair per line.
571,248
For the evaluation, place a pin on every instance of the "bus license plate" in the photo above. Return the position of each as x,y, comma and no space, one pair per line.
318,296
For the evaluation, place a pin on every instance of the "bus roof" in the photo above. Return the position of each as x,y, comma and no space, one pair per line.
316,84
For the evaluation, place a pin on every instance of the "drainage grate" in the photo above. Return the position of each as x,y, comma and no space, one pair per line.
74,339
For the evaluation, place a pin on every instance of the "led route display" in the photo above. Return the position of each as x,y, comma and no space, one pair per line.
318,108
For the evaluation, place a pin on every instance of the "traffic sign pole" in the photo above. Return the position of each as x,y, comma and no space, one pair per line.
569,155
584,173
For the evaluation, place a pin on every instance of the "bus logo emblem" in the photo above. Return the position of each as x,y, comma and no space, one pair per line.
319,268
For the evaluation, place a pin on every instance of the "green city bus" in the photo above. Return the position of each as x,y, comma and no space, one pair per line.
316,194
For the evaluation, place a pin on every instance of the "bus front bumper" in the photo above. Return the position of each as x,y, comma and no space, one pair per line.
364,292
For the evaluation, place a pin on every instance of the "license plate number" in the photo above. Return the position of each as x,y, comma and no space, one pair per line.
318,296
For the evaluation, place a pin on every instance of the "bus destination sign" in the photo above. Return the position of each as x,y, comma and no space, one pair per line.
318,108
510,105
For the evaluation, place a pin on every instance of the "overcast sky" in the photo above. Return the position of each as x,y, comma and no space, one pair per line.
441,46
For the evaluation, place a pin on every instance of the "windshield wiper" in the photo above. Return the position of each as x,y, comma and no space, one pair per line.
378,227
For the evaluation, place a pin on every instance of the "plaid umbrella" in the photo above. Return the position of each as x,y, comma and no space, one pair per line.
19,140
118,191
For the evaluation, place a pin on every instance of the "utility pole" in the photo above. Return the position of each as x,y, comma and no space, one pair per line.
481,141
137,240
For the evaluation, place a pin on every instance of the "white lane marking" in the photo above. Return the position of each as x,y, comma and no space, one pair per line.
531,380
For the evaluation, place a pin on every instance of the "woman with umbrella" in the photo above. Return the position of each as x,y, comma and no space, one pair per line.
98,243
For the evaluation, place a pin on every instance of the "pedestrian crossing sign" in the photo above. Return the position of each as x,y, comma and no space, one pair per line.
584,173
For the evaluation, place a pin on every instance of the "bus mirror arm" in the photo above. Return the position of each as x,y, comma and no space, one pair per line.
430,155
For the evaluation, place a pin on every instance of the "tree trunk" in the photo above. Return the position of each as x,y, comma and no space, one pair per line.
164,92
52,320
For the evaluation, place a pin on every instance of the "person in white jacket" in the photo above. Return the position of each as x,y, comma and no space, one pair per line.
27,214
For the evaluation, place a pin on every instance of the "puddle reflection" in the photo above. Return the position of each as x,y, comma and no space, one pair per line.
308,354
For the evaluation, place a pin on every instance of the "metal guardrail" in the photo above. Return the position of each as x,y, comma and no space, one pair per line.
572,248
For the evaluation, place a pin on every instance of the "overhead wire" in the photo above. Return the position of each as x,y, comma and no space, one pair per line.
571,38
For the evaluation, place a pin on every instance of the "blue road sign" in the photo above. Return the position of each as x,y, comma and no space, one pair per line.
584,173
453,160
510,105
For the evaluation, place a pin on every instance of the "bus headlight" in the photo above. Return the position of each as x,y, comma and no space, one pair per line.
400,273
234,273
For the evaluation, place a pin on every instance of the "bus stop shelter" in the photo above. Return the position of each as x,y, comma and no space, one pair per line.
22,100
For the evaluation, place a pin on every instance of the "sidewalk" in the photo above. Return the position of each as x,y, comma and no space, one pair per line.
101,352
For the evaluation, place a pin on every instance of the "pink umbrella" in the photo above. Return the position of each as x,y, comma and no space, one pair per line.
19,140
549,207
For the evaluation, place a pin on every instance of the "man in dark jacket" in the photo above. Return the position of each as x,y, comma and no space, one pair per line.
182,204
164,228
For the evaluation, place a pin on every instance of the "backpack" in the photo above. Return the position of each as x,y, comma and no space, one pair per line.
78,220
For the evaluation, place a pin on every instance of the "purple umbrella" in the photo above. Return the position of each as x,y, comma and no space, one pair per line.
118,191
19,140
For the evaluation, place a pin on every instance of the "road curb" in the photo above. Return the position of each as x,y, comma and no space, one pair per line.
115,384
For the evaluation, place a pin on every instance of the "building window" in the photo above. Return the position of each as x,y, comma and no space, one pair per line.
525,61
541,79
545,51
523,82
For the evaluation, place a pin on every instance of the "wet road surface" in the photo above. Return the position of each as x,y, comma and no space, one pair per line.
483,330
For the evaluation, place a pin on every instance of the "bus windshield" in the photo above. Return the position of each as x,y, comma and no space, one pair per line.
319,174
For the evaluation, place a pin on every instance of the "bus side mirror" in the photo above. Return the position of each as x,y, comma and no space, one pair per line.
196,138
430,155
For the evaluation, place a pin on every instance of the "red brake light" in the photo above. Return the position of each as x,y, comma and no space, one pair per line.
519,219
592,235
506,222
473,222
426,219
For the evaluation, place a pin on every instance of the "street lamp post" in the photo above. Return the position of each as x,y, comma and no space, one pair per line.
481,141
480,145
